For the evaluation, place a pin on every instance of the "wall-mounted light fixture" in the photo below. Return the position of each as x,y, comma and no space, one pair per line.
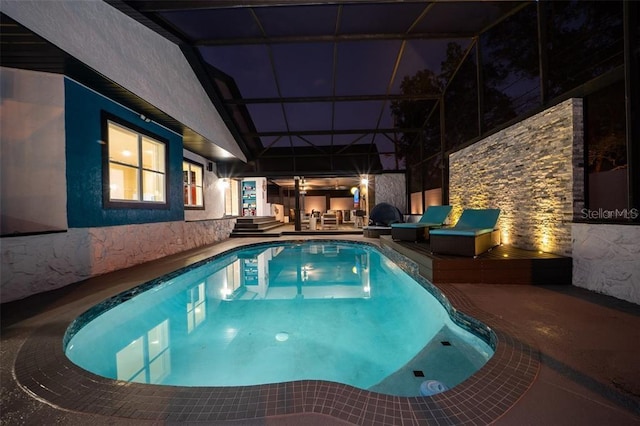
223,184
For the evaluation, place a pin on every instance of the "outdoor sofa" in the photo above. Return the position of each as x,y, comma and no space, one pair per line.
474,233
433,217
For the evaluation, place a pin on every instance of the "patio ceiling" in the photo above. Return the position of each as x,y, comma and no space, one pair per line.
308,86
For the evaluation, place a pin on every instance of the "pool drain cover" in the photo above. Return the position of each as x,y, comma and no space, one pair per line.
418,373
446,343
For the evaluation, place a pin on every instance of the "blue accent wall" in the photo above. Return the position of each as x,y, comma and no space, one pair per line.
83,123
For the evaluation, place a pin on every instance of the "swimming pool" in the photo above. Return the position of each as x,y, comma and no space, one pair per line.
272,313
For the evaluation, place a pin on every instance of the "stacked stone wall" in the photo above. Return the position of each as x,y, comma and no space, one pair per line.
529,172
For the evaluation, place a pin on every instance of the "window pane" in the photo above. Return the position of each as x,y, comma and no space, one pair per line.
510,68
153,186
198,200
585,40
607,150
123,182
152,155
160,368
192,177
461,102
432,170
123,145
130,360
158,339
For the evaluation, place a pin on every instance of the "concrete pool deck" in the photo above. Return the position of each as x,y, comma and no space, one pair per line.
565,356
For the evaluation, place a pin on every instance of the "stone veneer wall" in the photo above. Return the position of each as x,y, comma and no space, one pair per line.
38,263
606,259
531,172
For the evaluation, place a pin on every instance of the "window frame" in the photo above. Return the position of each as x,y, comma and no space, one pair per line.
194,206
106,191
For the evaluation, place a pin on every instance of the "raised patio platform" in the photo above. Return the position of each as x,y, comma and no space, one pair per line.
501,265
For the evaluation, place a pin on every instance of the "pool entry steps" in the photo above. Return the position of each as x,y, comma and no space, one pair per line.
252,226
268,226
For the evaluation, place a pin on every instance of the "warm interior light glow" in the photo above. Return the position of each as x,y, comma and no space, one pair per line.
364,181
353,190
126,153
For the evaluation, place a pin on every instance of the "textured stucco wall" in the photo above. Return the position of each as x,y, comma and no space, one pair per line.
606,259
527,171
38,263
214,195
32,160
391,188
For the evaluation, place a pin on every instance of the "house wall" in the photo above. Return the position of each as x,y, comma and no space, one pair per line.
341,203
130,54
90,240
83,123
213,190
32,164
314,202
37,263
391,188
527,171
606,259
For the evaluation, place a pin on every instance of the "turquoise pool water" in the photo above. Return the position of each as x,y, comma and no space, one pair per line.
272,313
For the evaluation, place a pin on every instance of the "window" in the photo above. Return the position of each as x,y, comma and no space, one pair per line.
147,359
192,183
606,146
136,172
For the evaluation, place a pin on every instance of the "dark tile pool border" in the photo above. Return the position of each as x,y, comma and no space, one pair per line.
43,370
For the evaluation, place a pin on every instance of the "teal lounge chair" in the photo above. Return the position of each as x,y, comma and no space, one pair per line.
433,217
474,233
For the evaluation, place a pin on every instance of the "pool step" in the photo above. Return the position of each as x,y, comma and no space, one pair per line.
255,226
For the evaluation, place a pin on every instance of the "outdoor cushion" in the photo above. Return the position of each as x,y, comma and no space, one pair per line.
478,219
460,231
414,225
433,216
473,234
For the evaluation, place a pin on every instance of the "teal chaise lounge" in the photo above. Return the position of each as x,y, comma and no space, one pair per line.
474,233
433,217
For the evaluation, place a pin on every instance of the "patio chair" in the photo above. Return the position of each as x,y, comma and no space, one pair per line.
433,217
474,233
329,220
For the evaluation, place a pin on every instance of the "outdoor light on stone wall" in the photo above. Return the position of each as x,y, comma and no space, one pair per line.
504,237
